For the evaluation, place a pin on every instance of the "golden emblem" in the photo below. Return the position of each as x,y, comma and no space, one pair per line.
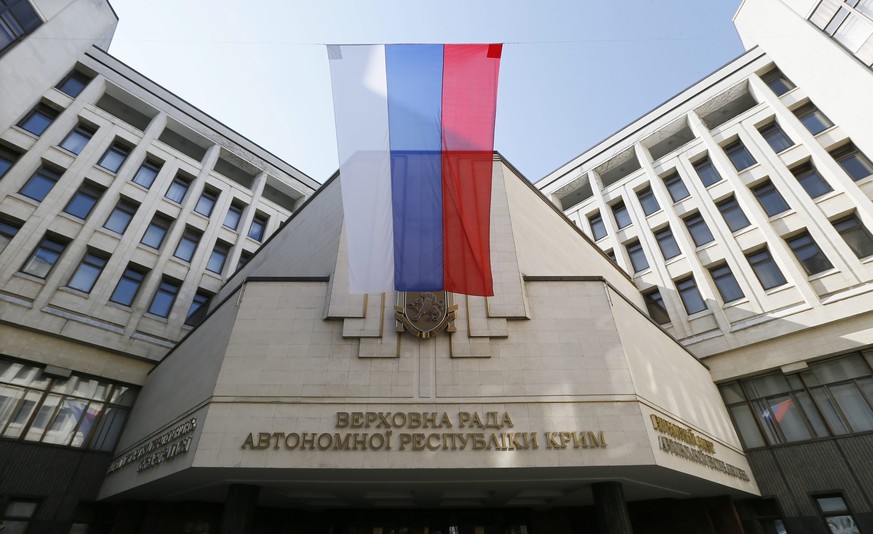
424,313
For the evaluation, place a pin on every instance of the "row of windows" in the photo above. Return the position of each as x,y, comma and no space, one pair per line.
17,19
831,398
855,163
71,410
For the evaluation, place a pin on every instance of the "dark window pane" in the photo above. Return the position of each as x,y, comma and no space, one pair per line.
234,214
156,231
622,217
744,421
198,309
733,214
667,243
44,257
853,161
128,286
726,283
698,229
598,229
676,187
114,157
776,138
77,139
690,295
855,235
814,120
637,256
243,260
811,181
648,200
656,307
87,273
187,245
205,203
7,160
808,254
40,184
74,83
770,198
706,172
38,120
146,174
162,303
83,201
217,258
258,227
777,82
765,268
177,189
7,232
121,216
739,155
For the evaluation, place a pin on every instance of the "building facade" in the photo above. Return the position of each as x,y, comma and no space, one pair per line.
741,207
123,209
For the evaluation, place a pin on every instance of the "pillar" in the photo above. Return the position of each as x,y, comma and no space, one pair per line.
612,514
239,509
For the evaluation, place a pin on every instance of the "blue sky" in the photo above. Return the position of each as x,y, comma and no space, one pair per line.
572,72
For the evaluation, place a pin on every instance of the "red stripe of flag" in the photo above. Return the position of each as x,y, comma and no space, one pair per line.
469,106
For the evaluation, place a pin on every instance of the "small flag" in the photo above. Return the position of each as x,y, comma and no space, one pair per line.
777,412
415,137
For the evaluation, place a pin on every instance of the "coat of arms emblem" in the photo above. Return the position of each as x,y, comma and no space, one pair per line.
424,313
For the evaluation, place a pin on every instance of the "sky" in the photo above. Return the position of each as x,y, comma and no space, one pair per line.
572,71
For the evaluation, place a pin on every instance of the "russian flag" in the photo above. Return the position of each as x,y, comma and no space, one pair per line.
415,137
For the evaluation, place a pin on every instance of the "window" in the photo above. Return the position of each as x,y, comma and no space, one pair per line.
87,272
775,137
706,172
234,215
622,217
218,257
733,214
770,198
129,284
199,308
77,139
854,234
676,187
157,231
648,200
811,180
17,512
726,283
833,397
38,120
114,157
164,297
258,227
121,216
84,200
40,184
8,229
78,411
667,242
656,307
837,515
598,229
243,259
765,269
17,19
187,245
637,256
206,202
811,117
74,83
808,254
739,155
610,254
698,229
852,160
146,174
46,255
690,295
777,82
7,160
178,189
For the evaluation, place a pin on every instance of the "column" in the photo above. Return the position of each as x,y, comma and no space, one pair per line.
239,509
612,514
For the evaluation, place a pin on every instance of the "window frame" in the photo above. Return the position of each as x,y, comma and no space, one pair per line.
776,80
656,306
695,223
811,180
196,316
766,193
149,165
191,240
81,132
8,159
45,176
78,77
49,245
671,181
116,149
124,206
667,243
726,283
706,172
211,196
851,153
221,249
595,222
730,210
130,280
812,118
802,242
857,227
647,196
764,260
259,220
161,222
46,112
687,289
740,156
620,213
776,137
181,184
162,292
90,267
634,249
88,190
